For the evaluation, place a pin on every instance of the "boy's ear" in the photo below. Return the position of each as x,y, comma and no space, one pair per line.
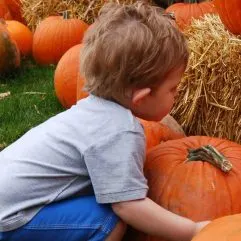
139,95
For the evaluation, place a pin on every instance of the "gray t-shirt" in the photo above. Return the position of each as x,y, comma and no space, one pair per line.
96,147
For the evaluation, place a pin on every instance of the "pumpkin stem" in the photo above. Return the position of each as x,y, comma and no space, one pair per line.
66,14
170,2
192,1
210,154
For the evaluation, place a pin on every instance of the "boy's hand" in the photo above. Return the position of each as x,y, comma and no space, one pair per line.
200,226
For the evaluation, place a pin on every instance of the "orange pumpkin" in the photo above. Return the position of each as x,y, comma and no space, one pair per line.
180,182
15,9
54,36
80,85
22,35
230,14
157,132
4,10
66,77
185,12
227,228
10,56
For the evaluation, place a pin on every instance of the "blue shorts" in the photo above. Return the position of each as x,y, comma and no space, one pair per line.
69,220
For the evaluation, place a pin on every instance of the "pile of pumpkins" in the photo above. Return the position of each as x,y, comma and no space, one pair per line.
57,40
197,177
46,44
15,41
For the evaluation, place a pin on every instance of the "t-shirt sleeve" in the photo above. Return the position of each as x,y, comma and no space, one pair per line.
115,166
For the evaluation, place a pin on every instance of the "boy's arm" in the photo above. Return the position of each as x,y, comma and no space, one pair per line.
148,217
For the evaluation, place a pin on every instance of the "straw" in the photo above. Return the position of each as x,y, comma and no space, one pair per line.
209,101
35,10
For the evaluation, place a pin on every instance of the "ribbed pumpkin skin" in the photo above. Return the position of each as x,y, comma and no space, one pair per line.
195,189
22,35
10,56
157,132
184,12
227,228
66,77
230,14
54,36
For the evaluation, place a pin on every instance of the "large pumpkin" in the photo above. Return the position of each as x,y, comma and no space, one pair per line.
182,179
66,77
54,36
157,132
10,57
178,183
230,14
22,35
185,12
227,228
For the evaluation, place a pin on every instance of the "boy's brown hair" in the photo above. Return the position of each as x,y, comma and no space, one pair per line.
130,46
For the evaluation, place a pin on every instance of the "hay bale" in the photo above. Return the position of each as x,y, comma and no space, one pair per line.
209,101
35,10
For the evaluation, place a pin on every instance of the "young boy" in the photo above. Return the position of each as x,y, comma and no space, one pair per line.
79,175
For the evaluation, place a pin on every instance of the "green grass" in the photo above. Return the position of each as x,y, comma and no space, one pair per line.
31,101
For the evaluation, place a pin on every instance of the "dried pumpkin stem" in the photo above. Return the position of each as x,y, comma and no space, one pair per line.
170,2
66,14
210,154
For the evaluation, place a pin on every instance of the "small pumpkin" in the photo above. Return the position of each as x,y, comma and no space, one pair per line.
66,77
22,35
167,3
54,36
185,12
230,14
9,52
157,132
227,228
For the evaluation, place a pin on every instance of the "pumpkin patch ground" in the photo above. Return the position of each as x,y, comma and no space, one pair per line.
29,100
